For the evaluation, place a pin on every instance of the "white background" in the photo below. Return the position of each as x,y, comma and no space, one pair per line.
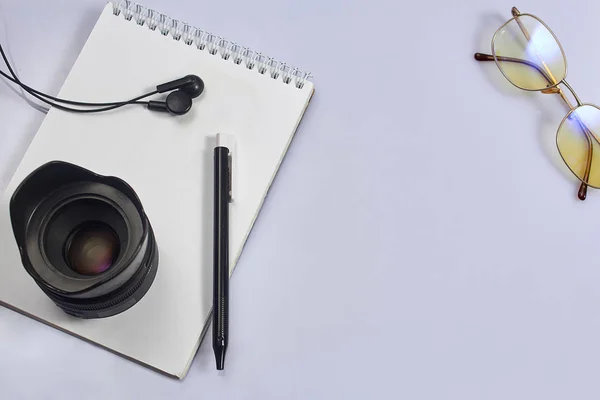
422,240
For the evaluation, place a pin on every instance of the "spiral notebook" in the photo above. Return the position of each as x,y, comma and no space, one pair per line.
168,162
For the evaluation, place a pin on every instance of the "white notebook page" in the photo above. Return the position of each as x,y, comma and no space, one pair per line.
168,161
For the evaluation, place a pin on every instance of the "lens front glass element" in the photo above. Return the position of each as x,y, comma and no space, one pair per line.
92,249
578,144
528,54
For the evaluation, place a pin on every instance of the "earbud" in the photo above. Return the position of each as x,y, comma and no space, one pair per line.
179,101
190,84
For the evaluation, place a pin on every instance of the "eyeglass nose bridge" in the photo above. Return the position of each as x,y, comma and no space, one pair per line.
551,90
557,90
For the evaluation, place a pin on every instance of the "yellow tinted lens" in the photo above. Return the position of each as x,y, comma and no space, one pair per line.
577,142
528,54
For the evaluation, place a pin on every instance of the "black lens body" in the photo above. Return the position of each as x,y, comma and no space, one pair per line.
84,239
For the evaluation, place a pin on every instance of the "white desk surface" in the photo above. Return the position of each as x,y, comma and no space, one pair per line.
422,240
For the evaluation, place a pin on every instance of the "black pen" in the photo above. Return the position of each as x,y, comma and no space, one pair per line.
223,195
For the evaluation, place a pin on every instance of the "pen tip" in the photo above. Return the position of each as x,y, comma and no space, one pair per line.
221,362
220,357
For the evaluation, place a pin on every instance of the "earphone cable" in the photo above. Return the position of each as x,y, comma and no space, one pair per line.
38,95
77,110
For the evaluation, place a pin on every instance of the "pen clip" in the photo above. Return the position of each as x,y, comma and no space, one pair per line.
228,141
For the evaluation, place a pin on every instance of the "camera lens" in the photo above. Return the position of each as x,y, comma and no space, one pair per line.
84,239
92,249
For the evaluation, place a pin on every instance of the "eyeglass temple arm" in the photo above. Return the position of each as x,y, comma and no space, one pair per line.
551,82
582,193
489,57
550,90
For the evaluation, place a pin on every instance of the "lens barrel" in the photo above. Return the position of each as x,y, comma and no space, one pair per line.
84,238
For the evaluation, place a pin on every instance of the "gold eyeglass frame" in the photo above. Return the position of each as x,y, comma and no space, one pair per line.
552,88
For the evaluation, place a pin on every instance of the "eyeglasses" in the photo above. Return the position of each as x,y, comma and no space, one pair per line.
529,55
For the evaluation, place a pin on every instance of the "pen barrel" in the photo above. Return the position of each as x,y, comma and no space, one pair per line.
221,247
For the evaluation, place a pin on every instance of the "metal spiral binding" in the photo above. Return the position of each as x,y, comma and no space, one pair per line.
209,42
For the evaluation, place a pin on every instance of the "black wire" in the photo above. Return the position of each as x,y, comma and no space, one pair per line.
38,95
33,92
29,89
77,110
93,110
